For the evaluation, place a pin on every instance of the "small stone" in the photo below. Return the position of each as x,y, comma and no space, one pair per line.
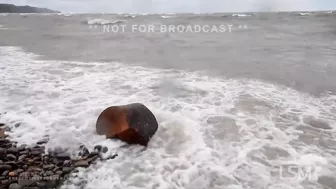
46,167
24,174
41,184
22,147
58,172
105,149
83,151
22,157
59,153
24,152
56,169
36,152
49,173
14,186
67,162
82,163
2,178
13,150
25,181
5,182
35,169
112,157
51,183
37,158
98,148
2,151
46,158
94,158
11,157
5,173
25,166
67,170
30,161
57,162
63,156
2,133
5,167
43,141
12,174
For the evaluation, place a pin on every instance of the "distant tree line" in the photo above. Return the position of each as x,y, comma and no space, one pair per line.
9,8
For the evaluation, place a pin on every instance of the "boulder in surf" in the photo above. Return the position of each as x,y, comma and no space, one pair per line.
132,123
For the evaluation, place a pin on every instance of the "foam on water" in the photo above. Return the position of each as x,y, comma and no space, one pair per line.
164,16
214,133
129,16
241,15
3,28
103,22
304,14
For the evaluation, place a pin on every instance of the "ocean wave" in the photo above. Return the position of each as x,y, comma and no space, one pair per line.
64,14
304,14
129,16
103,22
165,16
213,131
3,28
240,15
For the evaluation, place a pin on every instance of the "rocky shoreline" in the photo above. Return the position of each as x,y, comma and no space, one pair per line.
30,167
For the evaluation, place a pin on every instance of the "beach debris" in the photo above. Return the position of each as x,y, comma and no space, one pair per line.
132,123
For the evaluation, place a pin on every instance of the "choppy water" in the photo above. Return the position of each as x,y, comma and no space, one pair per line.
232,107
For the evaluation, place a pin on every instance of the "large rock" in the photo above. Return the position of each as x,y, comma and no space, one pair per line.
132,123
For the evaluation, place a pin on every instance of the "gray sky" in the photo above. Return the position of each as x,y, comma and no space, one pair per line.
173,6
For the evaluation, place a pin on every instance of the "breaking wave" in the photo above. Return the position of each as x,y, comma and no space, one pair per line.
213,132
241,15
103,22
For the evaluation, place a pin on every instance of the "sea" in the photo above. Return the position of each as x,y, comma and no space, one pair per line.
243,101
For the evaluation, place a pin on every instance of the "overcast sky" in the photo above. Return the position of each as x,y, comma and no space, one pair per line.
196,6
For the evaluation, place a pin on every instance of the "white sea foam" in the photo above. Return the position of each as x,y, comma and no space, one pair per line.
214,133
165,16
129,16
103,22
3,28
64,14
304,14
241,15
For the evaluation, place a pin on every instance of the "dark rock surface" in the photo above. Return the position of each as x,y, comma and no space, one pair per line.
9,8
132,123
30,167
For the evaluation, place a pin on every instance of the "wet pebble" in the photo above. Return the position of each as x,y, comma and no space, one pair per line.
14,186
105,149
67,170
82,163
11,157
98,148
13,150
22,157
